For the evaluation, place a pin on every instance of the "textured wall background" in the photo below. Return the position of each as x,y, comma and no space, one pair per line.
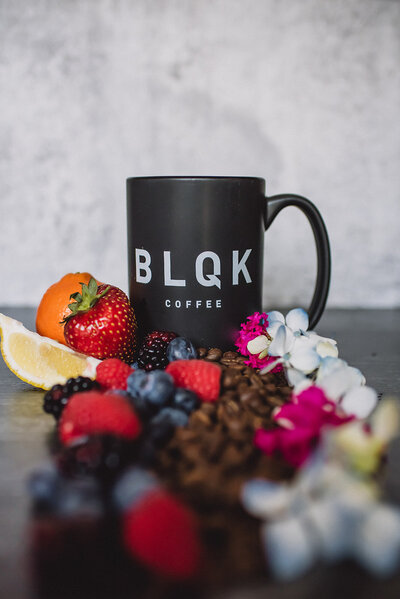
305,93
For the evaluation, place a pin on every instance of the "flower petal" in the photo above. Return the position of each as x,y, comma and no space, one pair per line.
329,365
271,365
359,401
258,344
296,377
297,319
275,316
289,548
315,338
340,381
304,359
271,330
377,545
325,349
355,447
331,527
302,385
265,499
385,421
282,341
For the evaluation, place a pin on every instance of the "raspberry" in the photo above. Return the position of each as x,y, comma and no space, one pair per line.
161,532
153,351
197,375
56,398
113,373
98,413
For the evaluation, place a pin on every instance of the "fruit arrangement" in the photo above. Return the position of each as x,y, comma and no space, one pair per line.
109,431
176,459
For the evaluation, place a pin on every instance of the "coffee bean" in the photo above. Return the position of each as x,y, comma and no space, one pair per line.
208,408
243,386
207,462
248,394
230,378
256,381
214,354
185,435
213,446
228,362
200,419
230,355
232,457
237,366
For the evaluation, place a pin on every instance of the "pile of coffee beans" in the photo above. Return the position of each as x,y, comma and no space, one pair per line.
207,462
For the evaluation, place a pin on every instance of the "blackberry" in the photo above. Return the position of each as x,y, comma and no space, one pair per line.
56,398
152,354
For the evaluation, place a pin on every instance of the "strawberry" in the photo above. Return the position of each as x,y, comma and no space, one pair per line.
197,375
94,412
161,532
102,323
113,373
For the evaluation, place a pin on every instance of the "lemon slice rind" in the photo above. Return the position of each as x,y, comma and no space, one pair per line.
40,361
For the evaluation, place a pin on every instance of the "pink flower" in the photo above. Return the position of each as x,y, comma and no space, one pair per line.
256,324
301,421
294,446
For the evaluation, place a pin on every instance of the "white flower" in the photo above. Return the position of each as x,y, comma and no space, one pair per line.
345,385
329,511
297,320
292,351
361,448
289,340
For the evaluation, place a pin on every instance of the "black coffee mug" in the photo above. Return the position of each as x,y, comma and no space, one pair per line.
195,253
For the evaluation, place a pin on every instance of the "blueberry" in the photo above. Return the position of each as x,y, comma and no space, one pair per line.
171,416
131,486
80,497
44,486
181,348
54,494
142,407
185,400
135,381
155,386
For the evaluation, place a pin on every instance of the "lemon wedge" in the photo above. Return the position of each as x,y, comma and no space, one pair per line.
40,361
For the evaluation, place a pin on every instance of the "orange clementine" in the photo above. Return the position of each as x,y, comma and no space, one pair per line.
53,307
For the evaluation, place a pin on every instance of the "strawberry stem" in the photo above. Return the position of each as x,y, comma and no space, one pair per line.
85,299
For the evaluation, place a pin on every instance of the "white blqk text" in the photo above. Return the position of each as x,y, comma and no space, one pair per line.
239,268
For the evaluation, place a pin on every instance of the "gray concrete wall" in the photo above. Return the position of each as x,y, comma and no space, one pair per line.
303,92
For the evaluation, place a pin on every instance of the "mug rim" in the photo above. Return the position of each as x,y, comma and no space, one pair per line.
194,178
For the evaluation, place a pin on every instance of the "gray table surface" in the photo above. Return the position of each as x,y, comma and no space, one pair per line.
368,339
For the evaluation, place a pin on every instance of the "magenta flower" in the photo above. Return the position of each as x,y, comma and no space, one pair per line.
294,446
255,325
301,422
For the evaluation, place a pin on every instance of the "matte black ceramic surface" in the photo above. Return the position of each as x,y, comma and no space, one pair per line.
195,253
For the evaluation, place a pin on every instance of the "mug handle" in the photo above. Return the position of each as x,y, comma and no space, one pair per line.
274,205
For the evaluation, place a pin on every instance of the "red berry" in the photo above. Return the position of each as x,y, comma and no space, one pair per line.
197,375
161,532
102,323
113,373
98,413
